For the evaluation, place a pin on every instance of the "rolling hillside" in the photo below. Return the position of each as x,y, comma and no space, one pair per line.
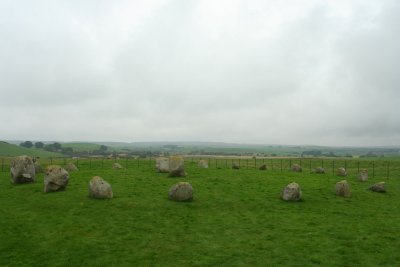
9,150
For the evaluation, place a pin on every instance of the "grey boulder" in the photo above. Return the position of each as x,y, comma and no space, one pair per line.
22,170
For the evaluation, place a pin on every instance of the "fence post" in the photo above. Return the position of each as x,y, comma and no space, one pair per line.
77,163
310,165
358,167
247,163
373,169
216,163
255,163
387,171
90,163
226,163
281,164
126,162
102,163
138,161
333,167
2,164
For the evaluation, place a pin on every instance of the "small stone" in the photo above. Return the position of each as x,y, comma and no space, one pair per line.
297,168
99,188
203,164
235,166
181,191
70,167
263,167
341,172
342,188
378,187
291,192
55,179
363,175
319,170
116,165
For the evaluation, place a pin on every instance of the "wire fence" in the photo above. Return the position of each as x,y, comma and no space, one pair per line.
376,168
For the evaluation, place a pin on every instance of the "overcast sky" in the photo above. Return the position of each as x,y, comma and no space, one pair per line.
268,72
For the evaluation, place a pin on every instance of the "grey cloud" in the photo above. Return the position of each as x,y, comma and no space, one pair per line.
261,71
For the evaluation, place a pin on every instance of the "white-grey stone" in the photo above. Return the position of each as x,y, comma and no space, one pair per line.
55,179
22,170
292,192
99,188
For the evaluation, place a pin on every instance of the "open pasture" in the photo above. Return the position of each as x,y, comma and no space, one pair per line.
236,218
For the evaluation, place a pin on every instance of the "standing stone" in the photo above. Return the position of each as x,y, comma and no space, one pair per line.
235,166
176,166
55,179
71,167
378,187
22,170
342,188
203,164
182,191
162,164
116,165
319,170
363,175
297,168
99,188
341,172
291,192
263,167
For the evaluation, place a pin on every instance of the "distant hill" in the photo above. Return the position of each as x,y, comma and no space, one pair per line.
10,150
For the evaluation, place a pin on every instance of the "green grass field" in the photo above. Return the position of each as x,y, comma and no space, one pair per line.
236,219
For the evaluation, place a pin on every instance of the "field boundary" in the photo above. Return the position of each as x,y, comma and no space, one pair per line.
379,168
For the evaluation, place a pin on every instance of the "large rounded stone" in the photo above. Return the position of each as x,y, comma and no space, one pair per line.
342,188
291,192
203,164
182,191
341,172
162,164
22,170
176,166
363,175
378,187
99,188
55,179
297,168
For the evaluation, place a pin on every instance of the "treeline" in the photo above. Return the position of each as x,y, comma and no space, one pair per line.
58,148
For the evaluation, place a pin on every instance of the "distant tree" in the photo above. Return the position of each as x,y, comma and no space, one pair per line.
39,145
27,144
67,150
57,146
103,148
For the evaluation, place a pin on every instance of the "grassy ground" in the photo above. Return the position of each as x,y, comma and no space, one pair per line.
236,219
